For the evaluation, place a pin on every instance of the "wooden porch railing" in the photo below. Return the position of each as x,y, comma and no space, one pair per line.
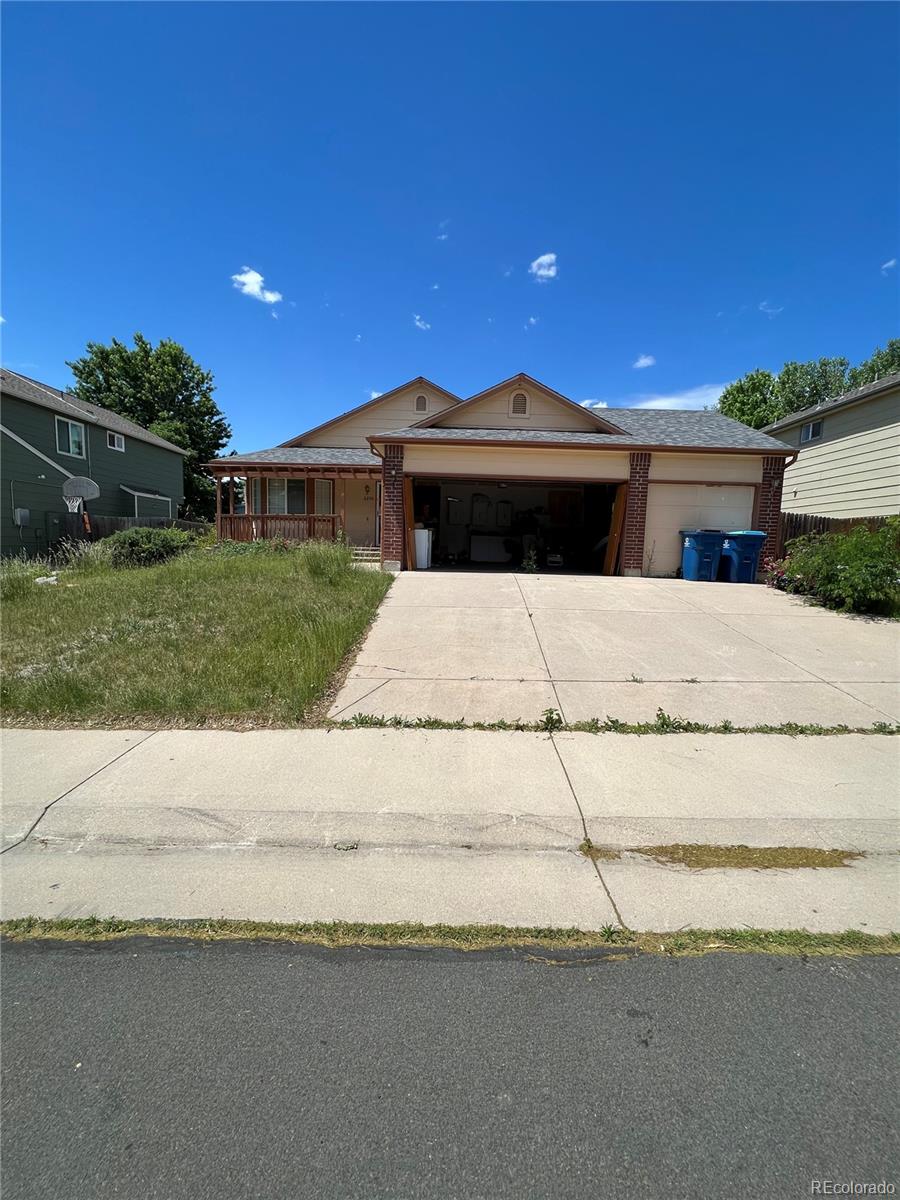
295,527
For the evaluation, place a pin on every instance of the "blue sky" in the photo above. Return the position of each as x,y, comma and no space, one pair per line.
717,183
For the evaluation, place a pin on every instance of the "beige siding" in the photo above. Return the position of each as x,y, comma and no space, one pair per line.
397,412
517,462
854,470
544,412
672,506
716,468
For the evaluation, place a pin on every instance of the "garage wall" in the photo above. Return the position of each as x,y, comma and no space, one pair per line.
717,468
514,462
672,506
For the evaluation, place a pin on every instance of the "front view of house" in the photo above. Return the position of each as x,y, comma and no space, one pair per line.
517,473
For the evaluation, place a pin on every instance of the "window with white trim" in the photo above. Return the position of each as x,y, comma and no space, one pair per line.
421,404
810,431
69,437
115,441
324,496
518,405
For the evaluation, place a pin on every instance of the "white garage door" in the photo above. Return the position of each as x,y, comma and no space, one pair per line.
671,507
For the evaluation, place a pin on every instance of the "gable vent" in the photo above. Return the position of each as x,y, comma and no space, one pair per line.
421,404
519,406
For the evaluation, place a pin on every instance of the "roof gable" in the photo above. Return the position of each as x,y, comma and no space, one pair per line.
372,407
545,408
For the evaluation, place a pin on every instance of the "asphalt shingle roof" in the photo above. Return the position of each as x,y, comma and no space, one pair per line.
666,428
886,384
67,405
311,456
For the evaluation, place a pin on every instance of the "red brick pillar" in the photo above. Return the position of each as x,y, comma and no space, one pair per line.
769,515
393,526
635,515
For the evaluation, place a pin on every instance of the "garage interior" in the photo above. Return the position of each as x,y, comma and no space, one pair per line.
491,524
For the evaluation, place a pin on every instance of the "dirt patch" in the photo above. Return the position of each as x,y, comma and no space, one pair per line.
757,858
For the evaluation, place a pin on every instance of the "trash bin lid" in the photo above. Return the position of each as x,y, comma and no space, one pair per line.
746,533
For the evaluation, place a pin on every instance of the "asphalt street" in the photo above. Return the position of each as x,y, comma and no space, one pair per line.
165,1069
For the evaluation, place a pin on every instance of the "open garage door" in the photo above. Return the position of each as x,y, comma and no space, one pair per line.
488,523
675,506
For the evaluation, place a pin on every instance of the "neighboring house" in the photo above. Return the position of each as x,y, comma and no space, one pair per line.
48,436
849,453
515,467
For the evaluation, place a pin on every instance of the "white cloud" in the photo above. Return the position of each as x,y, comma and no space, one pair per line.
888,266
507,272
358,338
544,268
594,404
531,322
644,360
435,287
490,320
2,320
375,395
442,237
443,224
703,396
250,283
420,322
274,315
770,309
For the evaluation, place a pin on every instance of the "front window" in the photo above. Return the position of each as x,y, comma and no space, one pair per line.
324,496
810,431
70,437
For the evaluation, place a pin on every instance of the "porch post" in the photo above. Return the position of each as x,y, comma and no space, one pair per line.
393,523
636,514
231,495
218,506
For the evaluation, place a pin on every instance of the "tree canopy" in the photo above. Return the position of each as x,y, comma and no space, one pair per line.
759,397
162,388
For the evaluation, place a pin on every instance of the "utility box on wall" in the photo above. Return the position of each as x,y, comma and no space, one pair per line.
21,517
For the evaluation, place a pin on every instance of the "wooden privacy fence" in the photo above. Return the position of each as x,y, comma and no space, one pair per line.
102,527
796,524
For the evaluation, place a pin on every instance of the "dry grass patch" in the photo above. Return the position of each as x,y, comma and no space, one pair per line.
757,858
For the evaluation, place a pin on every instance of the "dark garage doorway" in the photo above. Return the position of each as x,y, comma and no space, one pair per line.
489,524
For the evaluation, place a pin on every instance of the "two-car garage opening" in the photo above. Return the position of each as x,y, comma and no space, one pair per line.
490,523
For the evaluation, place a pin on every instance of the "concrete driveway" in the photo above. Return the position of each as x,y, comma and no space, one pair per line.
484,646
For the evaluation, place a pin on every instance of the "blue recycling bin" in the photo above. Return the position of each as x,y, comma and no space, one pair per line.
701,550
740,554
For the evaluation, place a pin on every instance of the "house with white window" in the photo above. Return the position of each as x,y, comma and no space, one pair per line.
49,436
848,461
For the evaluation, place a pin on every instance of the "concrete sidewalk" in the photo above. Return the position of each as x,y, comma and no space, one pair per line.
453,826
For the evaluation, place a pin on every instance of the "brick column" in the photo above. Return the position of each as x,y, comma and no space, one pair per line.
635,515
769,516
393,526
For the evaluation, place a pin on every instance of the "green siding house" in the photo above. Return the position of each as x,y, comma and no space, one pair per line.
47,436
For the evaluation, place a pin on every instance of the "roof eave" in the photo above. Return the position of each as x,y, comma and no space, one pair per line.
780,449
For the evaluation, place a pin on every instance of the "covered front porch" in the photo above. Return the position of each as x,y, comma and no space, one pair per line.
298,502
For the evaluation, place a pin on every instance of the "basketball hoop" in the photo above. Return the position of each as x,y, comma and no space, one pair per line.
76,490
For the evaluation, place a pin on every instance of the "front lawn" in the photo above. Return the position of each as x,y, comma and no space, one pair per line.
207,637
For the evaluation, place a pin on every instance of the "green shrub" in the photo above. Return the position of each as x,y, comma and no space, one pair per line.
858,571
141,547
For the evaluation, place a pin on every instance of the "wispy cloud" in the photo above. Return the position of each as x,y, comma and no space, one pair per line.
531,322
358,338
2,320
442,237
594,404
704,396
250,283
435,287
420,322
507,271
644,360
770,310
274,315
888,266
442,234
544,268
375,395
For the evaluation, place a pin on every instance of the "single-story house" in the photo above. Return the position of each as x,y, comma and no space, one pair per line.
848,462
49,436
515,469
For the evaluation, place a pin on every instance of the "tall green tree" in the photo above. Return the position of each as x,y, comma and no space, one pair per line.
162,388
759,398
881,363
